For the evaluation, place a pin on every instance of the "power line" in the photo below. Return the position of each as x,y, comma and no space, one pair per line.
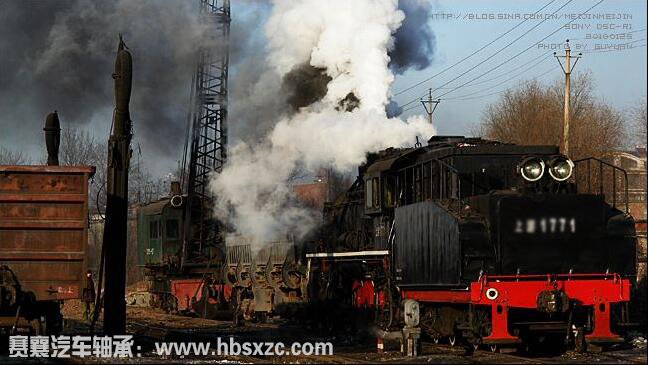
480,82
497,92
487,80
546,55
498,52
472,54
463,97
411,107
526,49
503,82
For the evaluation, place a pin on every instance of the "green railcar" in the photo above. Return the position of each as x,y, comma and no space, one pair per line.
159,234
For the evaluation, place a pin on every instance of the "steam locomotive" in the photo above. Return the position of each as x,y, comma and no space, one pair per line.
463,239
488,243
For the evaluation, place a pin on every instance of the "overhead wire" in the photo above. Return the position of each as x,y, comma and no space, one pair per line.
485,81
519,53
411,107
466,96
506,80
495,54
472,54
508,72
497,92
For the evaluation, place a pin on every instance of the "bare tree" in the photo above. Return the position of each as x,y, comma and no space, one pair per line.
532,114
80,148
638,118
9,157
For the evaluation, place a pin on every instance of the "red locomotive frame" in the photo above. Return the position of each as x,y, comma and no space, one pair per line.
522,291
599,291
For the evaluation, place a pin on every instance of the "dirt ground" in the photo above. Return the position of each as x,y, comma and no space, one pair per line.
151,325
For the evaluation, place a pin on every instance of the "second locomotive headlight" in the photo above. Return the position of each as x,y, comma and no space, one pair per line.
561,168
532,169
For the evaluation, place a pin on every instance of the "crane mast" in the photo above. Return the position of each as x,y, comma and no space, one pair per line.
207,138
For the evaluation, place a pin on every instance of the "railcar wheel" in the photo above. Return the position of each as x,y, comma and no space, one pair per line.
494,348
436,340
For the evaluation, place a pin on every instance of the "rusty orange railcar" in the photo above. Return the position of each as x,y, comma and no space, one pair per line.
43,241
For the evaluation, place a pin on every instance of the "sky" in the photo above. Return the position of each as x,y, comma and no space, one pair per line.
460,28
620,76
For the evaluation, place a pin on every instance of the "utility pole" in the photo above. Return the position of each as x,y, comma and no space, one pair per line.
427,104
567,69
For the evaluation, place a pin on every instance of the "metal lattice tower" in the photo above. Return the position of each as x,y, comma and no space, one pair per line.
208,119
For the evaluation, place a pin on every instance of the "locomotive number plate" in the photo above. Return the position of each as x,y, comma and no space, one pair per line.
547,225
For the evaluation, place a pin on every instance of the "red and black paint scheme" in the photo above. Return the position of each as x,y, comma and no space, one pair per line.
499,244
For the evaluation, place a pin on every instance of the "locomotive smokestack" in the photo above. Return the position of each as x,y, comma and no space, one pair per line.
52,138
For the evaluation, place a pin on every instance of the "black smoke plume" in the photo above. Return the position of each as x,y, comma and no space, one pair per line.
393,109
305,84
59,55
414,41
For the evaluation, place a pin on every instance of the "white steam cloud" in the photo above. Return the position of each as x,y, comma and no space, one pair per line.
350,40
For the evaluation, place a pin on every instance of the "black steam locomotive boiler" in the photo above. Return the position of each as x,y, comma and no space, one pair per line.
483,242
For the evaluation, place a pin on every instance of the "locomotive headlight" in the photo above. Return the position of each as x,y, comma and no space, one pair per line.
532,169
561,168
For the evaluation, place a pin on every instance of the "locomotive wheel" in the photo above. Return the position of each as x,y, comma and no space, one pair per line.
494,348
